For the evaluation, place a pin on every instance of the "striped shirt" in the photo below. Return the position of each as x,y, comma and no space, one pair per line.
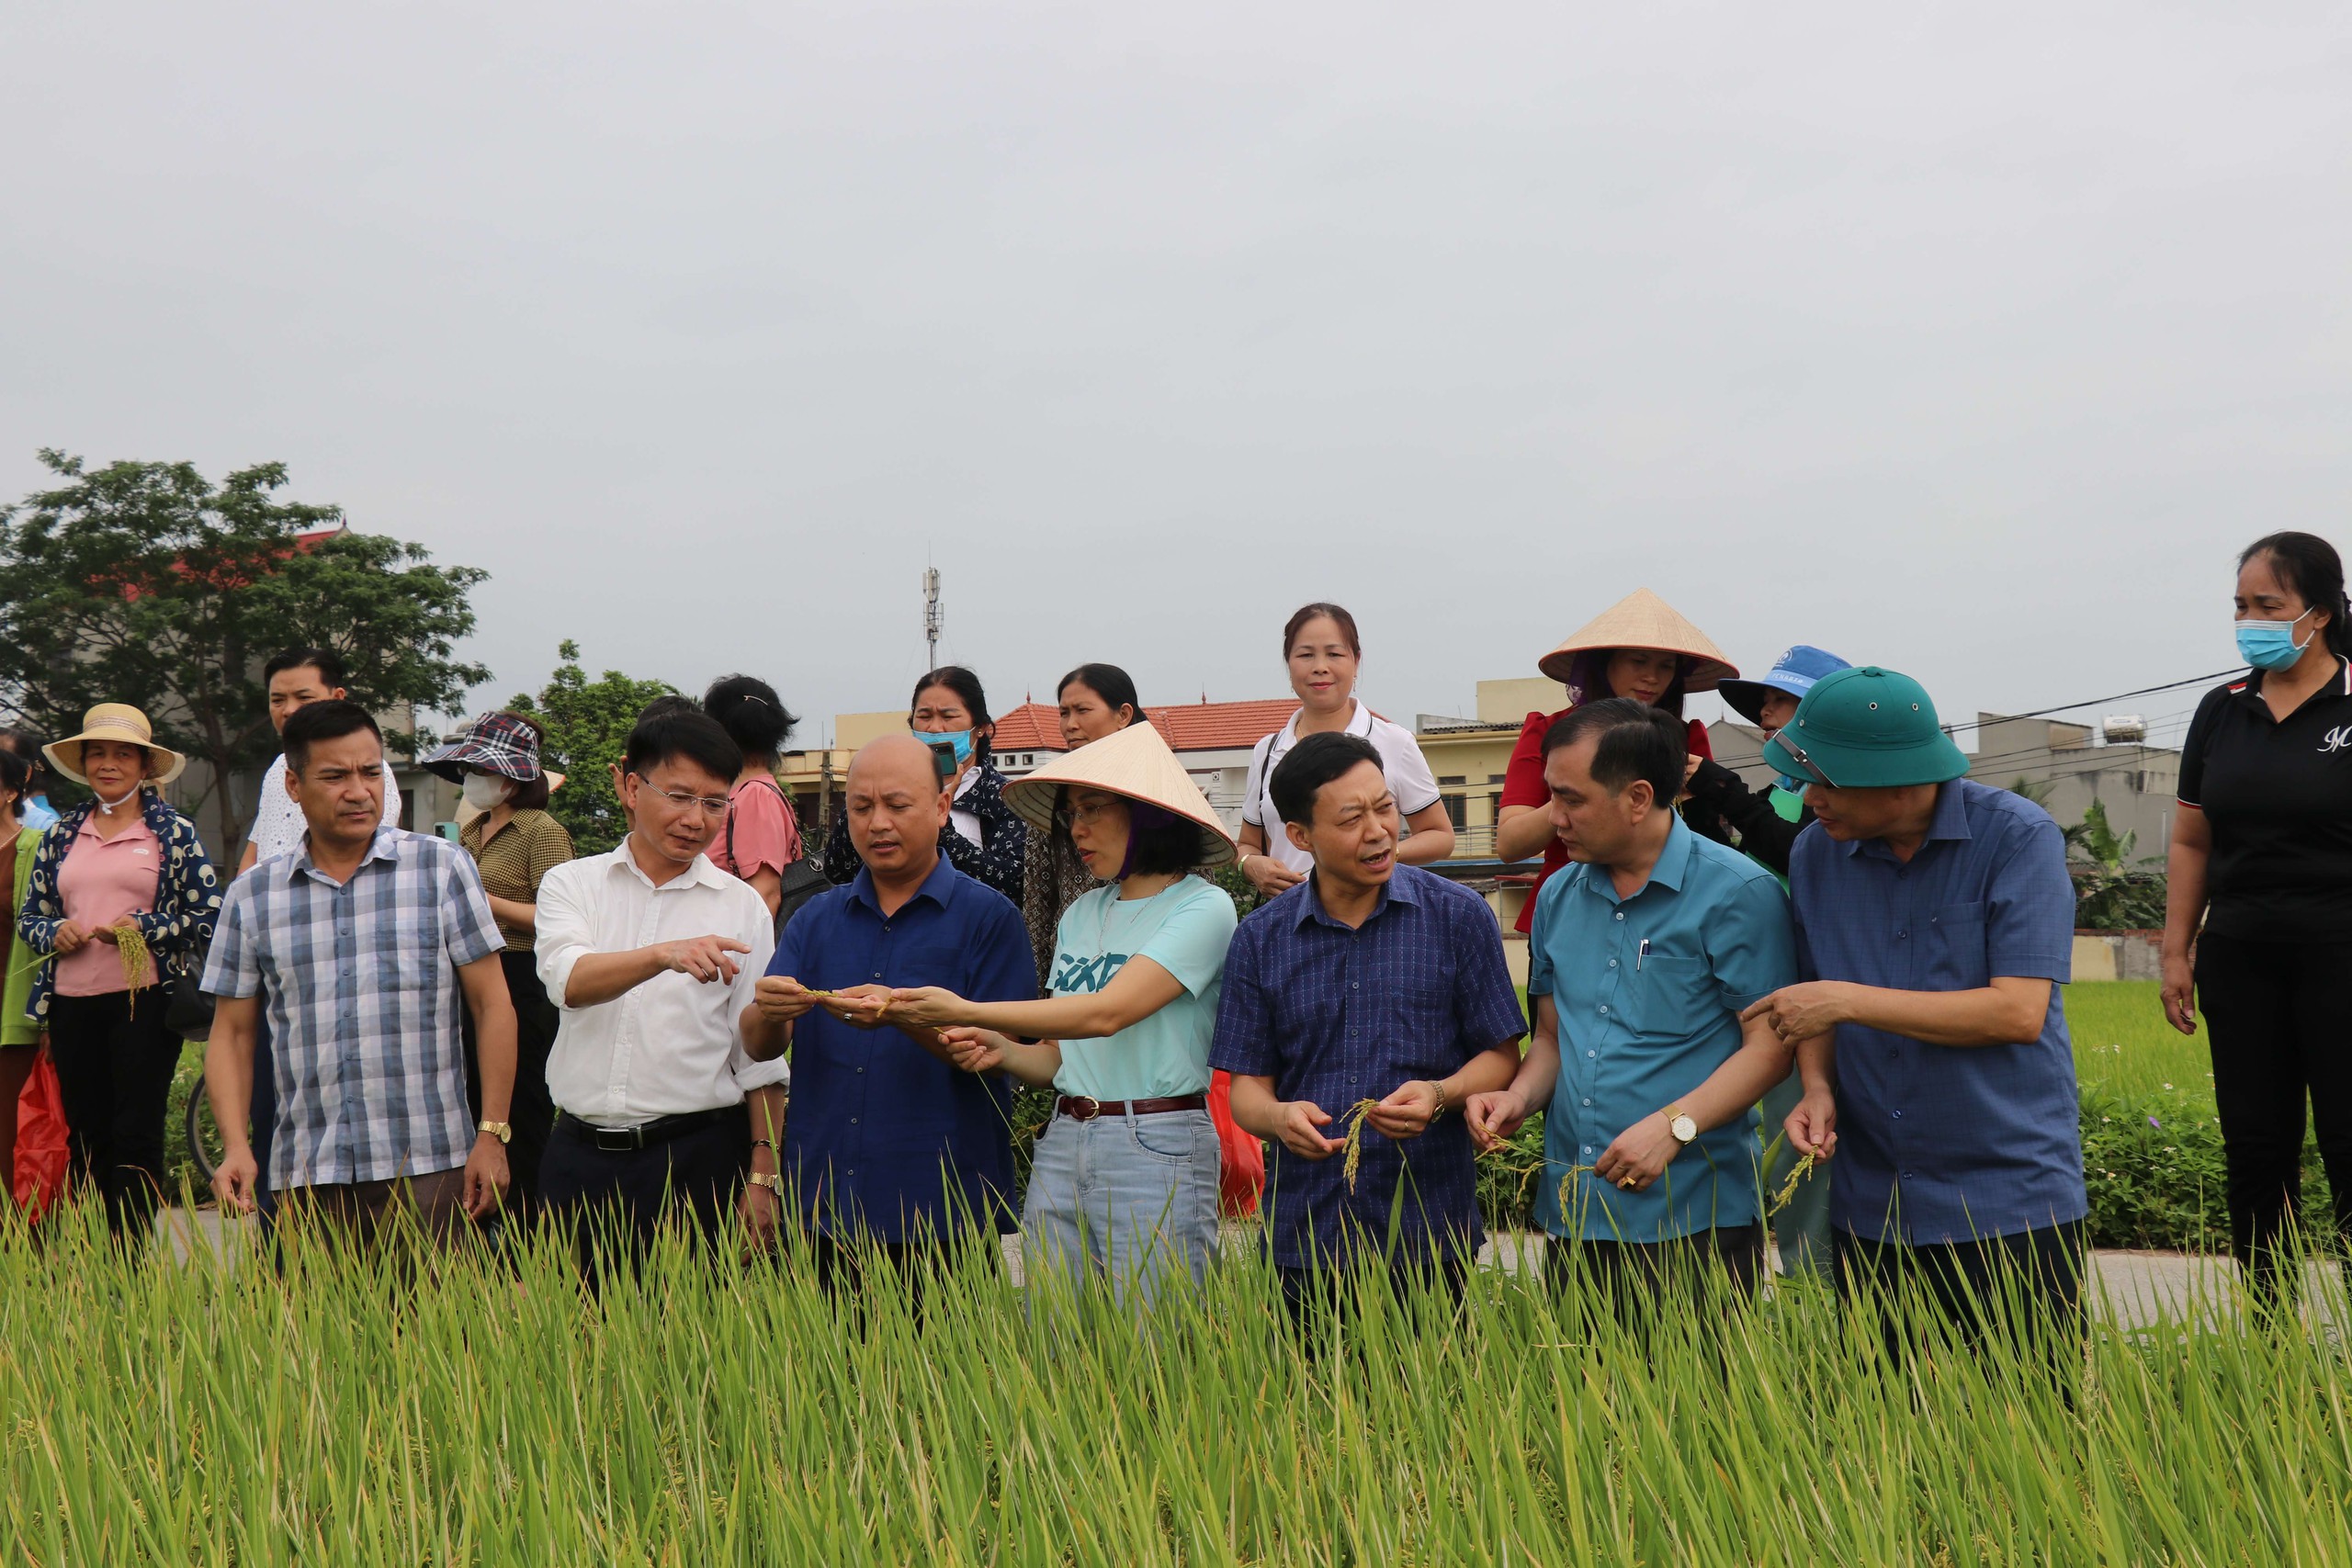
526,848
359,979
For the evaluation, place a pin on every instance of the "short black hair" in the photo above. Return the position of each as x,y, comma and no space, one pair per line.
1637,742
329,720
666,705
1312,763
24,745
691,736
750,713
2309,565
325,660
15,774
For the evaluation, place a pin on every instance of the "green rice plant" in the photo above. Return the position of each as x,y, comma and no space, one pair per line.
379,1409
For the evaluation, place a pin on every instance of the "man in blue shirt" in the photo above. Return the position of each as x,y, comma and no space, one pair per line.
1643,955
1935,924
1368,981
887,1143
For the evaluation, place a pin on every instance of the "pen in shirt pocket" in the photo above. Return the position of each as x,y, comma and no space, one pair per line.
1640,954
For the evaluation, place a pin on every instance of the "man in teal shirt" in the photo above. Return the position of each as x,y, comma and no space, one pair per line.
1643,955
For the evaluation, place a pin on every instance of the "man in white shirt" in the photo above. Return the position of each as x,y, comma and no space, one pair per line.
652,955
296,678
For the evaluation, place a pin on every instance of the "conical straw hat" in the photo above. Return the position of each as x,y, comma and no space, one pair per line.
1135,762
1642,619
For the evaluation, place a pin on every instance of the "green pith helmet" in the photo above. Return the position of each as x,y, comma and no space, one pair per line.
1866,728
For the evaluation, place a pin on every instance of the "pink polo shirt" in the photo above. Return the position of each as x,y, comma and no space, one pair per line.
101,881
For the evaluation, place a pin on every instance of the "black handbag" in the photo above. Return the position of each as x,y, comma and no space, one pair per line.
187,1012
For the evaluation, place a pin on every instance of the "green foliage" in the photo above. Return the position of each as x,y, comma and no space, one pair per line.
588,724
2112,890
1239,888
146,583
486,1411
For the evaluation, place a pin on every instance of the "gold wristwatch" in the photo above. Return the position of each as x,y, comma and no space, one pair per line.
770,1179
1685,1130
503,1130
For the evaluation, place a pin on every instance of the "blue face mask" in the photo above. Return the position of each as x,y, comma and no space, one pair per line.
2271,645
960,738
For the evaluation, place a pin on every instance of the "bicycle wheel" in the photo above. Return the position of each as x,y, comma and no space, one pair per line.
204,1146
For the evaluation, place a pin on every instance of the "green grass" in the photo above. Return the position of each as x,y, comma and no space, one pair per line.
350,1415
2123,1046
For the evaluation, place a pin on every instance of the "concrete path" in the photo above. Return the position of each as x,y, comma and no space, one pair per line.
2129,1288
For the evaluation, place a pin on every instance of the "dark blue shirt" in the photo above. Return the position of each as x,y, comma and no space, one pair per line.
880,1125
1336,1016
1939,1143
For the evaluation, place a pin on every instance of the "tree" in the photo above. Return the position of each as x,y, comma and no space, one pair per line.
144,583
2112,890
587,731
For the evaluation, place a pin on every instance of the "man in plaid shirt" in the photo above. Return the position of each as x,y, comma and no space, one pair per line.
360,941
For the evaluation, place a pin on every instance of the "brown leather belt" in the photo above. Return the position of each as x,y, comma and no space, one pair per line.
1078,1108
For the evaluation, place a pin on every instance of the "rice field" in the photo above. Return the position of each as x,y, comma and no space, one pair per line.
364,1412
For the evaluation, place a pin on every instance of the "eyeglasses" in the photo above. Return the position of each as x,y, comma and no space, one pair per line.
682,799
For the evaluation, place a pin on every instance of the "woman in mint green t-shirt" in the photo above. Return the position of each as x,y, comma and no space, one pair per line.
1125,1182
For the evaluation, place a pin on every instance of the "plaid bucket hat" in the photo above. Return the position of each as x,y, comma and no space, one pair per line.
494,744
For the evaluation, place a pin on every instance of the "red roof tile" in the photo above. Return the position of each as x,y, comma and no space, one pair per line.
1186,726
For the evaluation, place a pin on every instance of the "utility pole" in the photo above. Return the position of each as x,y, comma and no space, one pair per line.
931,614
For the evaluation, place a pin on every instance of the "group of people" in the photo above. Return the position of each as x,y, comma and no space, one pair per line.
711,1025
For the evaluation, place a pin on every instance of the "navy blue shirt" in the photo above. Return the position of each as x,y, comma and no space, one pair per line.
1335,1016
879,1124
1941,1144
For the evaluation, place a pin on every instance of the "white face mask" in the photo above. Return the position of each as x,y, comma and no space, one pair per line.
485,791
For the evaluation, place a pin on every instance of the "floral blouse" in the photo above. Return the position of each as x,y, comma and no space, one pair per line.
187,894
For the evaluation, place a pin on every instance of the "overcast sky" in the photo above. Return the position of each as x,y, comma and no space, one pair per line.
1973,341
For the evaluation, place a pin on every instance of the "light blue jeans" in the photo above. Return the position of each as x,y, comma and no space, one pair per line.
1125,1197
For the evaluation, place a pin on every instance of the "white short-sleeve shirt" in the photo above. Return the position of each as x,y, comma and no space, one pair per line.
1409,779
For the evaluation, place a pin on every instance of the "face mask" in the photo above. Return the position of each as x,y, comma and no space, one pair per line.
483,791
111,806
960,738
2271,645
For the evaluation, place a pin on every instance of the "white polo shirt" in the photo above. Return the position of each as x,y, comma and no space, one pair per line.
1409,779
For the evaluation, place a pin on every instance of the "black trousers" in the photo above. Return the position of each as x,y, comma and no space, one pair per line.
603,1197
2028,1287
2275,1015
115,1061
533,1114
1638,1279
846,1270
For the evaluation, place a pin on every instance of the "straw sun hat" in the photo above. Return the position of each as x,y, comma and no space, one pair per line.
1642,619
1134,763
115,721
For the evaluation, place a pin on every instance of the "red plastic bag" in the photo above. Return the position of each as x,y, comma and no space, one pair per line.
41,1151
1241,1159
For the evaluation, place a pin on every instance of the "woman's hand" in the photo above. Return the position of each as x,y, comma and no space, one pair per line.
1495,1118
69,938
974,1050
110,935
2180,992
930,1007
1268,876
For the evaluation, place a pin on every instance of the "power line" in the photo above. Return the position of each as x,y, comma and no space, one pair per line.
2089,701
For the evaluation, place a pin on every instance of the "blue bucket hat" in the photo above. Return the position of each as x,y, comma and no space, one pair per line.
1792,673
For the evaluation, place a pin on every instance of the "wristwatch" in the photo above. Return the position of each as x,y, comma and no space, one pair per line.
503,1130
770,1179
1685,1130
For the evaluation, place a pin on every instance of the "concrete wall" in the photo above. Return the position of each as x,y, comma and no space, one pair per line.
2118,955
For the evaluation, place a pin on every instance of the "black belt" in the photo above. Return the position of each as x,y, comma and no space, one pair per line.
628,1140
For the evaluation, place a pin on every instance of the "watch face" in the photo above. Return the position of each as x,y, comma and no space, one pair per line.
1684,1129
